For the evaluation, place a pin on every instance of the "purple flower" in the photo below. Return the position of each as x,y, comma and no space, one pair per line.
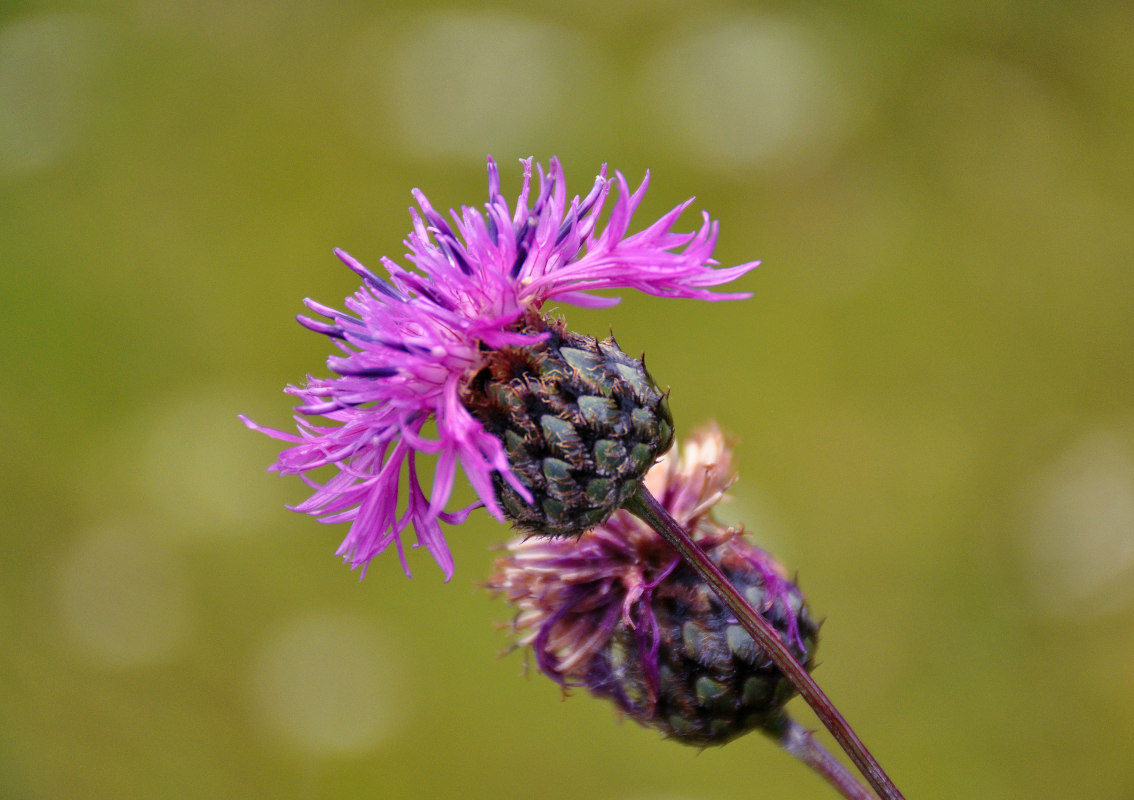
618,612
412,340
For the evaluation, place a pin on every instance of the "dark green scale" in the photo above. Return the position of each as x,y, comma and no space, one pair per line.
581,421
714,683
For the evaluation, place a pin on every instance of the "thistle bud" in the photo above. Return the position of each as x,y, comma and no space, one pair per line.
581,422
709,681
617,611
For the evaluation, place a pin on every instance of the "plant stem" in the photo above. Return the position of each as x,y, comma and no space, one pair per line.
798,741
645,506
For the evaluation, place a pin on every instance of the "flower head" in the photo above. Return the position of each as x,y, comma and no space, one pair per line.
412,342
618,612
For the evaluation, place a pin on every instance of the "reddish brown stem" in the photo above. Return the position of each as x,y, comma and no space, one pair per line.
798,741
645,506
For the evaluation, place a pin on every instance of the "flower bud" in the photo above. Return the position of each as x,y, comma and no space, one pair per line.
708,681
618,612
581,422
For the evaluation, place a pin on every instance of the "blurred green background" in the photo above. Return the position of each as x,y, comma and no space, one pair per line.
931,388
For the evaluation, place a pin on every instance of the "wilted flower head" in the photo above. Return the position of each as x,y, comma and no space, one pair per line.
618,612
414,342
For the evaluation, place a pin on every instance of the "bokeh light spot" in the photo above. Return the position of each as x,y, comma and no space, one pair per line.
197,456
123,598
437,85
742,92
1080,550
187,463
326,684
45,64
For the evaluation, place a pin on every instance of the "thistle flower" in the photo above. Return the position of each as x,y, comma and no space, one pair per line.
462,343
618,612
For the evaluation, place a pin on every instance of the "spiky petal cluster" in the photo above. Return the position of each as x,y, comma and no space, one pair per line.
618,612
410,341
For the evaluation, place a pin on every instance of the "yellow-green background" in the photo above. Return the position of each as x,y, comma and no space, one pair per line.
931,387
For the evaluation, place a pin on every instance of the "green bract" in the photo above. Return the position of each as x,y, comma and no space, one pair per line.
581,421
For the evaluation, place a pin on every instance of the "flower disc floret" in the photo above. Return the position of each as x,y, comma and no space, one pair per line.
410,341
